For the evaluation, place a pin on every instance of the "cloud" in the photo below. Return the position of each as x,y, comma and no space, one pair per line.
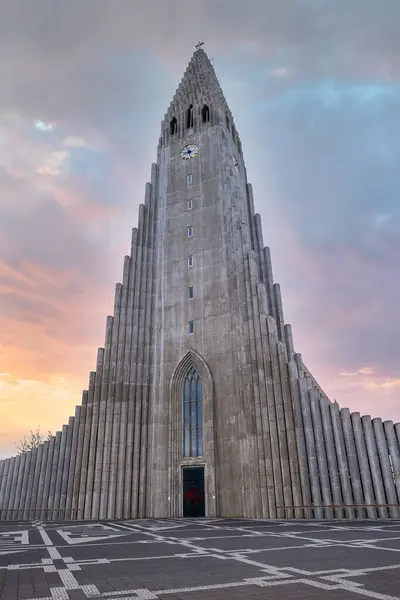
314,90
75,142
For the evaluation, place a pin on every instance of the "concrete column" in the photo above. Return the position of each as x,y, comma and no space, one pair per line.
122,455
144,341
287,438
355,478
53,478
267,491
67,460
311,448
135,370
288,404
250,208
42,475
94,434
15,489
60,471
70,509
343,467
97,485
105,474
144,504
128,391
275,484
45,515
331,456
2,466
363,464
386,468
79,452
269,281
289,342
18,492
113,467
394,452
24,486
321,452
279,311
258,377
115,497
10,487
30,477
265,406
257,236
375,466
35,512
86,445
295,368
5,466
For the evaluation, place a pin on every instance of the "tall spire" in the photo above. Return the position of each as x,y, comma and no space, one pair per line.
198,84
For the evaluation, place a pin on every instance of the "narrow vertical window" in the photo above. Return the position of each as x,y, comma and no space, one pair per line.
189,117
190,292
205,114
190,260
173,126
189,179
192,415
190,231
228,123
239,145
191,326
190,203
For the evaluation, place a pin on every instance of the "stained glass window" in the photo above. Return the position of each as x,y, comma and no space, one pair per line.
192,415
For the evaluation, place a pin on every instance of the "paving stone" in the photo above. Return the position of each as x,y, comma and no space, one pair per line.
177,560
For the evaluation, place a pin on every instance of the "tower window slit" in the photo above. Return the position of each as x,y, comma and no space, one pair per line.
173,126
205,114
190,231
190,260
228,123
191,326
190,179
190,292
192,415
189,117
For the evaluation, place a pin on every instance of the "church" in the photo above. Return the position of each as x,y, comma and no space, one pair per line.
199,405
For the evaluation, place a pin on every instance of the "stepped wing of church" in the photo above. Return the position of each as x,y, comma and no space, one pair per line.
199,404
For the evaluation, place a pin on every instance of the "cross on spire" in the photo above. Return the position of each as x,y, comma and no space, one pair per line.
199,45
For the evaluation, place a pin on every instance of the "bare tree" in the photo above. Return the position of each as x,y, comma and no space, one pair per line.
31,441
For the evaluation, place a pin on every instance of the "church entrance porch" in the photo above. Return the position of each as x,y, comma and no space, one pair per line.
193,492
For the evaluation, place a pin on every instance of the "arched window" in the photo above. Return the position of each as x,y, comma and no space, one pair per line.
192,415
189,117
205,114
173,126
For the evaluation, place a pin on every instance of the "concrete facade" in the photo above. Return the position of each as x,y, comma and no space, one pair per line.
272,443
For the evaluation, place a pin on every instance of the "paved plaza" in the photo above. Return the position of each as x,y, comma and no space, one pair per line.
199,559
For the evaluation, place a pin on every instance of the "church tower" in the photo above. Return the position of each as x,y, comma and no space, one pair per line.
199,405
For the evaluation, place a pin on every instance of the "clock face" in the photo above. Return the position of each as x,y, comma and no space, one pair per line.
235,164
189,151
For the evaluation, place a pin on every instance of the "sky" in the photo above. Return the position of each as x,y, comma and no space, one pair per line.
314,87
